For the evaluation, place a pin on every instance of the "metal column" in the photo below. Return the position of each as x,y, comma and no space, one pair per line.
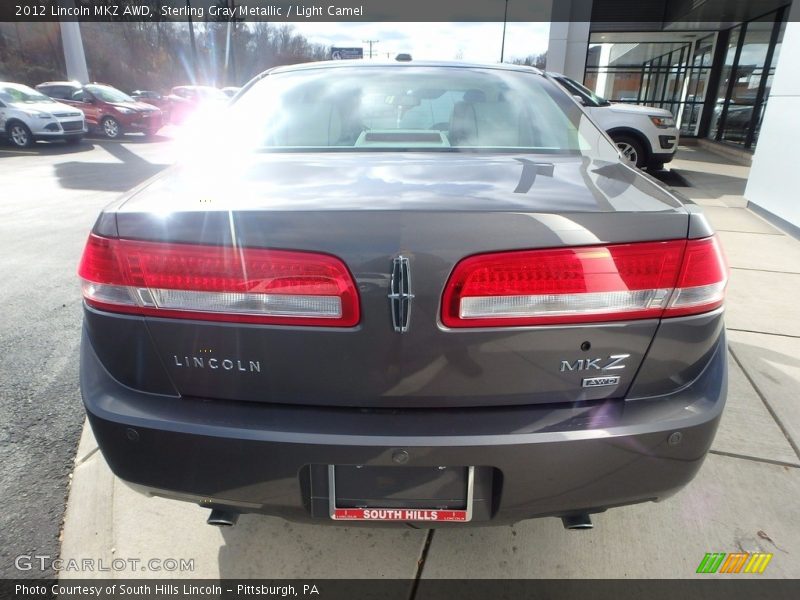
74,56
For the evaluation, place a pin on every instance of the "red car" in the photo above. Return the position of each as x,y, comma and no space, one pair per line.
190,99
162,102
108,110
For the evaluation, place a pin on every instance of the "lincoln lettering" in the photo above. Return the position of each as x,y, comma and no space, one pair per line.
214,363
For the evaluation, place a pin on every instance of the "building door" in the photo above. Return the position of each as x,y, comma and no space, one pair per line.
696,86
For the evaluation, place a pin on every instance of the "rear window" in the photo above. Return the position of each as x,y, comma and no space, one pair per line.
21,94
409,108
61,92
108,94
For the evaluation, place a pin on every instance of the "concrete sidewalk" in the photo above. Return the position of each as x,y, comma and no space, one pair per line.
744,499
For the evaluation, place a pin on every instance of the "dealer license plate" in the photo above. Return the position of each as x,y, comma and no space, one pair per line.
400,513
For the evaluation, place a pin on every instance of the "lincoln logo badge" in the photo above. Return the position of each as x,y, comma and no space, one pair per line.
400,293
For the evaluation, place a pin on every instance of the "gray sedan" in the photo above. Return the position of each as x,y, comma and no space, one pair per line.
407,292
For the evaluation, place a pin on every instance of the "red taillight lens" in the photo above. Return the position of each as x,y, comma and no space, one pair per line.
701,284
585,284
219,283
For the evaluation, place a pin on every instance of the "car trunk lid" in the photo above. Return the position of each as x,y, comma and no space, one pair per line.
433,210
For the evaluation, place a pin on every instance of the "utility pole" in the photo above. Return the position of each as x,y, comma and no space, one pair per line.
503,44
230,60
74,56
370,42
191,37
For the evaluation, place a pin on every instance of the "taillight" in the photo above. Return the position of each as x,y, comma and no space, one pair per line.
586,284
701,284
218,283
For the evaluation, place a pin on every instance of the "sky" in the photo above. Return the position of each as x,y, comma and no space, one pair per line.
477,42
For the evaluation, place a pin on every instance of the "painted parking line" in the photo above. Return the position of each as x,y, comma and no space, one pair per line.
17,152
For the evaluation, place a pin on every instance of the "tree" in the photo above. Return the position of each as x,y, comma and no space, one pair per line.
153,54
532,60
30,53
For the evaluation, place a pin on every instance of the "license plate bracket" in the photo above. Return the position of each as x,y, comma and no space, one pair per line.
392,511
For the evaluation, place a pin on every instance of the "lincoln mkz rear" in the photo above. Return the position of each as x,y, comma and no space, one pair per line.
406,292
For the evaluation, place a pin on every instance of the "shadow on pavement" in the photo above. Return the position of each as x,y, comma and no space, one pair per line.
671,177
776,366
107,177
268,547
714,185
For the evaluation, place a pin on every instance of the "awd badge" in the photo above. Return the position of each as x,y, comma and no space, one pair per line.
601,381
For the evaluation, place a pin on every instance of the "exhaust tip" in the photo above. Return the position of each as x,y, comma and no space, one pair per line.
222,518
583,521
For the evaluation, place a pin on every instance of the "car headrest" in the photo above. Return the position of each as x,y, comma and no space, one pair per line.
309,124
489,124
474,96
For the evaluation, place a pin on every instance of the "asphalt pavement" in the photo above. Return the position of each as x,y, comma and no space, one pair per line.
744,498
50,196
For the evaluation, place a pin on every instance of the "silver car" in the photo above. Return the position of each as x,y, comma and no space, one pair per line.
27,116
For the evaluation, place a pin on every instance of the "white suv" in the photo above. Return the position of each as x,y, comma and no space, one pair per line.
27,115
646,136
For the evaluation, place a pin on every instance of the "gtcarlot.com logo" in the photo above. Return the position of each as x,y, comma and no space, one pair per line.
44,562
736,562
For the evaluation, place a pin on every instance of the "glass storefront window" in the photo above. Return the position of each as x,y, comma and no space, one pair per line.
725,78
668,73
750,67
623,86
744,87
672,71
758,125
746,80
697,85
769,74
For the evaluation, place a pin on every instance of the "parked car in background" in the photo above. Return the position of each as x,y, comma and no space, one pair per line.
231,91
738,118
646,137
108,110
414,292
27,116
188,100
156,99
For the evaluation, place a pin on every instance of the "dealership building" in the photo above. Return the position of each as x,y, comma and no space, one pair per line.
729,70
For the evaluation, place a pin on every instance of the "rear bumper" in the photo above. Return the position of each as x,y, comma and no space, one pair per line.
545,460
142,125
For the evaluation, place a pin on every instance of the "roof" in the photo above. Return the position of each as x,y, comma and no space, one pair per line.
76,84
72,83
400,64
